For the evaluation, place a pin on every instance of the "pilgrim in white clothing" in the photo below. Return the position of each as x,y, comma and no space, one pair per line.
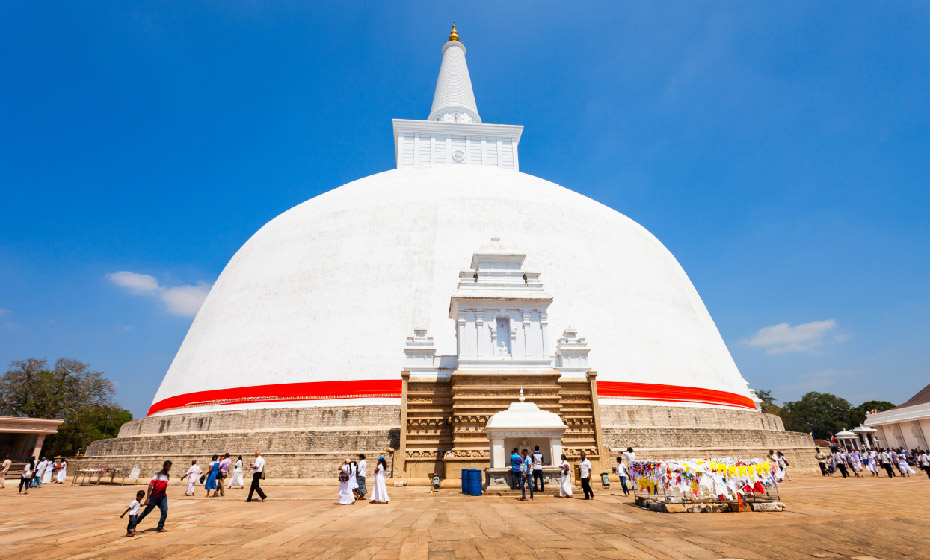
379,492
565,482
63,472
345,491
236,478
193,477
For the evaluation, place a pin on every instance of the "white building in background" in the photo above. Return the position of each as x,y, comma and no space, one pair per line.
907,425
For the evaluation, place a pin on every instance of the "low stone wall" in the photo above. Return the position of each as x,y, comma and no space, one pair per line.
296,443
312,442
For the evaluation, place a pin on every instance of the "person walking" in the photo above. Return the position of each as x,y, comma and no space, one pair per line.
924,461
515,469
622,473
839,462
193,477
526,474
213,471
258,472
905,468
584,469
25,479
537,470
62,472
40,472
346,496
783,464
236,478
157,496
885,458
565,478
225,464
133,511
379,494
361,476
353,478
5,468
49,472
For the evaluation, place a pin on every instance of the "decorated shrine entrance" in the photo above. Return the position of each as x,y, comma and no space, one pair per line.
500,313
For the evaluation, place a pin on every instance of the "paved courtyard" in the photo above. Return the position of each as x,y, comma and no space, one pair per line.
827,518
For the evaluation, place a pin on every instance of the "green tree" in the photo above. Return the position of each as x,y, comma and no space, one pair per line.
820,413
83,398
857,415
768,401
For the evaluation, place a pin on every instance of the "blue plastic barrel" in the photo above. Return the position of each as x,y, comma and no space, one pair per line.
473,482
464,473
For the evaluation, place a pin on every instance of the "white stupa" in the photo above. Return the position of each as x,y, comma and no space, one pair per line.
314,309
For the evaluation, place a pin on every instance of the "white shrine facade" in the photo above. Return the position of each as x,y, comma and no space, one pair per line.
459,410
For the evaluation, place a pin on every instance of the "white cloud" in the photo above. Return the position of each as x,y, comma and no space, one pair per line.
806,337
134,282
180,300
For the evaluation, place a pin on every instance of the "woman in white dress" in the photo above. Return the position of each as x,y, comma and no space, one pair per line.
236,478
49,472
379,494
873,462
62,472
345,491
353,478
905,469
565,482
193,477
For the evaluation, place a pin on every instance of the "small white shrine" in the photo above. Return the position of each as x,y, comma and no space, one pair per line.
524,426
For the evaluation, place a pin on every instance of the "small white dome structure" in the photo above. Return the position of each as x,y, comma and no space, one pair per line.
523,422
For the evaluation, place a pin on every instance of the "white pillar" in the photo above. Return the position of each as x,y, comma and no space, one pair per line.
497,453
38,449
555,450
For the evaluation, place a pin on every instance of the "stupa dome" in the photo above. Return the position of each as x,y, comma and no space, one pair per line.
314,309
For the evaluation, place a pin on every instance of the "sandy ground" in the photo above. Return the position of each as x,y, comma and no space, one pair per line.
826,518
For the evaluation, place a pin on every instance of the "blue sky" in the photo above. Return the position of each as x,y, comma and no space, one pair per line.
780,151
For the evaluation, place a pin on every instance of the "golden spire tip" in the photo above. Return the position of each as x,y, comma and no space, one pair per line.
454,36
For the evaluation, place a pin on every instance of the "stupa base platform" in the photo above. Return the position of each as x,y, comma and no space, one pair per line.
296,442
312,442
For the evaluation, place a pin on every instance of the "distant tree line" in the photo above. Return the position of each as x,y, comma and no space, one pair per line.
820,413
71,391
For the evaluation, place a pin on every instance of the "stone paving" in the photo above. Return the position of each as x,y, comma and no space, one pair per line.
826,518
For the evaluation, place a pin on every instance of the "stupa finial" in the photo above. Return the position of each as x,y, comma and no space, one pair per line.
521,394
454,36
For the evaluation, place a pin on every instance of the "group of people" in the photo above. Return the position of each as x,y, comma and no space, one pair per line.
157,494
215,477
527,468
35,474
353,475
854,462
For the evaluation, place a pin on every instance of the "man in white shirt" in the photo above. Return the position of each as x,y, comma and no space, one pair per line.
584,468
537,471
924,461
258,467
630,456
622,473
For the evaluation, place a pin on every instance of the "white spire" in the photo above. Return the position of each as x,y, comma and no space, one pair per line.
454,100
